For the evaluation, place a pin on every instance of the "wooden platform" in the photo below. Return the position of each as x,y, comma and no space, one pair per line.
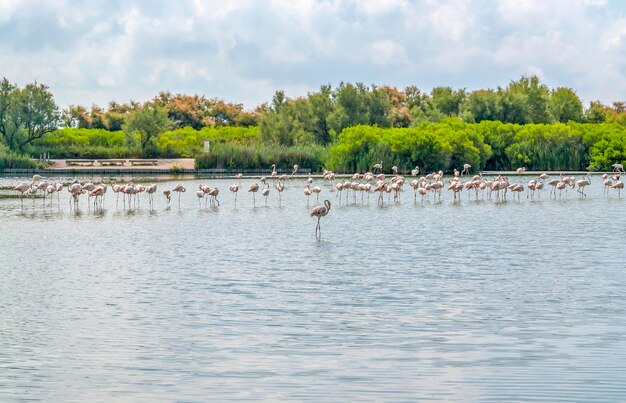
80,161
143,162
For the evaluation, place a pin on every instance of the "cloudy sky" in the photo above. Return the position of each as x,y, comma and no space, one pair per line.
92,52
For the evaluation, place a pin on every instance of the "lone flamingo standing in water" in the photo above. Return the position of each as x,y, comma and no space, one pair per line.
319,212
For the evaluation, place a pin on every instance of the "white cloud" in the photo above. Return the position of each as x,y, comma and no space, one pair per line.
452,20
595,3
377,7
244,50
388,52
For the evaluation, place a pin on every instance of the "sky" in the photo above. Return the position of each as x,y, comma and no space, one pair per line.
243,51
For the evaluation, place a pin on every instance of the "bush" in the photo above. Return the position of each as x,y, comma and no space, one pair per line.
238,156
9,160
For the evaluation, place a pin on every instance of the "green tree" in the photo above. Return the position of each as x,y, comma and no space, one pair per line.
481,105
565,105
10,122
446,100
349,106
321,108
512,107
147,123
596,113
26,114
536,96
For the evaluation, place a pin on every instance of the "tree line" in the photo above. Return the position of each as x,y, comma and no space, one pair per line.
175,125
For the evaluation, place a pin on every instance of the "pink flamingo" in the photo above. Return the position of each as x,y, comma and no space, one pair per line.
179,189
266,191
317,190
235,189
307,193
619,185
22,187
200,195
378,167
254,188
582,184
96,193
213,193
280,186
167,193
150,190
319,212
466,169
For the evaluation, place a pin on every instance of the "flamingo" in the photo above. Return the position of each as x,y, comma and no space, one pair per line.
274,173
116,189
22,187
378,167
213,194
43,186
380,188
200,195
128,189
581,185
50,191
317,190
280,186
553,183
415,171
167,194
266,191
75,189
560,186
254,188
319,212
205,190
59,188
235,188
339,187
98,191
180,189
608,184
466,169
617,167
619,185
517,188
307,193
150,190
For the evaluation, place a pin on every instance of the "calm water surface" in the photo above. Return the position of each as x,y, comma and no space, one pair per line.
470,301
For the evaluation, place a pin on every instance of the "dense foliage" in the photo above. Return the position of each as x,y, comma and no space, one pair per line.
26,114
240,156
487,145
346,128
10,160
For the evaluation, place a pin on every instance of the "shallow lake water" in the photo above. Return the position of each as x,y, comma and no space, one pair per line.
477,300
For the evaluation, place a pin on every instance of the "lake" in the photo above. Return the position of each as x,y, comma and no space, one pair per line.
477,300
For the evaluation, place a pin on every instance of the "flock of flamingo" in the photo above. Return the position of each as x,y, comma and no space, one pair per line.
425,187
